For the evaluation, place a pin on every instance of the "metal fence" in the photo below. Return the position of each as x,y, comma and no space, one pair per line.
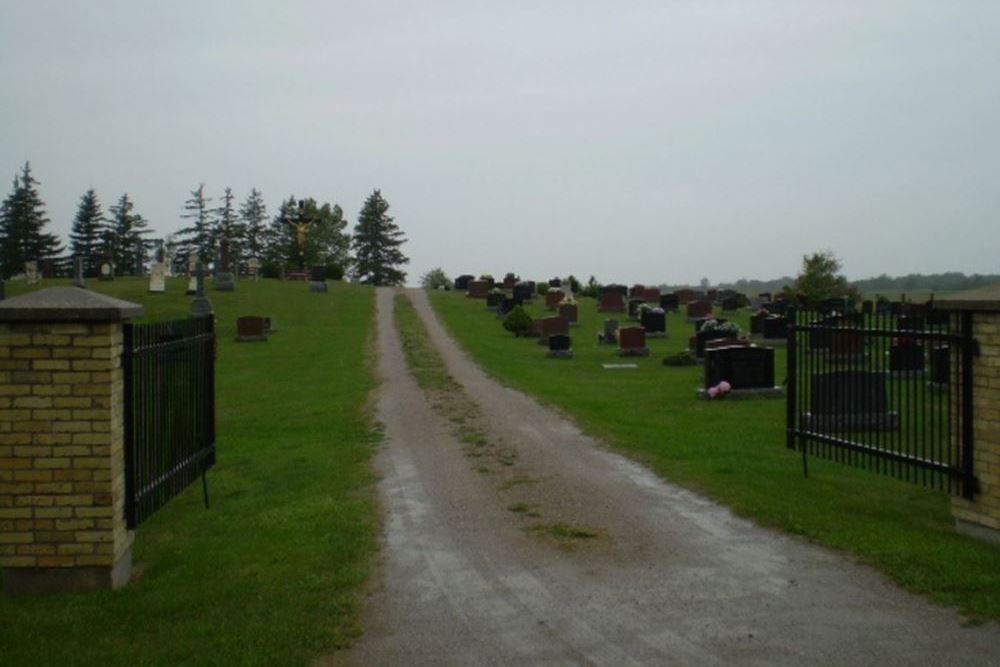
889,392
169,411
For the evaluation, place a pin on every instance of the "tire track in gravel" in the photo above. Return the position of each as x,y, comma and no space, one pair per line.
672,578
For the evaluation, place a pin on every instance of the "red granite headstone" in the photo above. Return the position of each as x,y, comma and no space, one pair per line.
550,326
650,295
632,340
698,309
611,302
478,289
685,296
569,311
553,297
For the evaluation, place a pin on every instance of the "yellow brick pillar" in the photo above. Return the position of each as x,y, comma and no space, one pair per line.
980,516
62,468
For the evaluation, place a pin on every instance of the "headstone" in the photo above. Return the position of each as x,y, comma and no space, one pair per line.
650,295
654,321
506,306
477,289
698,309
685,296
940,366
613,288
158,277
716,343
251,329
635,291
253,267
633,308
509,281
746,369
906,358
669,302
107,270
553,297
560,346
200,305
31,274
775,327
712,295
523,292
192,287
224,280
611,302
317,278
494,299
730,304
570,311
632,342
702,337
78,280
610,334
555,282
757,323
550,326
849,400
462,282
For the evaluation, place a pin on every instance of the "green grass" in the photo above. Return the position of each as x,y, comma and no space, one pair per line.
734,451
273,572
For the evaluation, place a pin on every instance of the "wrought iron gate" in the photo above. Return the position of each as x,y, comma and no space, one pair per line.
885,391
169,370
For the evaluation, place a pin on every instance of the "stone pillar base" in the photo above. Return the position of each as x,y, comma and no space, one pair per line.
38,580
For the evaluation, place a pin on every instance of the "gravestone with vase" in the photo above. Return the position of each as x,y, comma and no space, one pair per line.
654,321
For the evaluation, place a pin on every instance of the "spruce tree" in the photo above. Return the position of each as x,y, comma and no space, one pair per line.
85,239
125,240
196,240
227,226
22,218
253,213
376,245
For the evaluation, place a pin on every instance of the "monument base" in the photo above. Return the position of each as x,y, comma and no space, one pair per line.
224,282
317,286
634,352
560,354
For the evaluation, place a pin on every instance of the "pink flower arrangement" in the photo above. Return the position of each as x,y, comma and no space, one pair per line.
719,390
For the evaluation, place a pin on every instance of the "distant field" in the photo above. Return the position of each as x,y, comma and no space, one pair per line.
271,574
734,451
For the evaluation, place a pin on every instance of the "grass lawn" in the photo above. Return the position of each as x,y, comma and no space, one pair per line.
272,573
734,451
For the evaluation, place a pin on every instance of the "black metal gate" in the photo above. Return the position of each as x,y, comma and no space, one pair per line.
885,390
169,411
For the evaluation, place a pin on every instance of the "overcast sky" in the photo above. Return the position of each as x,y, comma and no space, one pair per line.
636,141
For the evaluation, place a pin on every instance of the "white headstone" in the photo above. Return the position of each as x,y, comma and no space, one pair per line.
566,288
253,265
31,272
192,265
158,277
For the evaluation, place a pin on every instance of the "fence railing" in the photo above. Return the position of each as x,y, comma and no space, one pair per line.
169,370
887,392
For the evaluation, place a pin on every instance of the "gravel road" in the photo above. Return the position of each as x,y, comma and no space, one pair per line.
603,562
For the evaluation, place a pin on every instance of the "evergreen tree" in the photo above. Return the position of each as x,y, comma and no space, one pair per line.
325,241
22,218
227,226
85,239
376,245
196,240
125,241
253,213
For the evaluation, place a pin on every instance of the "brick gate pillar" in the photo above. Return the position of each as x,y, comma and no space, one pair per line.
980,516
62,469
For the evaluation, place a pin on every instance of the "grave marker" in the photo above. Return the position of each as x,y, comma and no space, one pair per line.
698,309
251,329
849,400
632,342
158,277
611,302
748,370
560,346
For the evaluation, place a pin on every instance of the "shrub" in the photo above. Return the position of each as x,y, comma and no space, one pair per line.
270,270
518,321
684,358
334,272
435,279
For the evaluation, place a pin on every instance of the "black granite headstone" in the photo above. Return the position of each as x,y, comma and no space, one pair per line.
633,308
741,366
775,326
669,302
462,282
559,342
906,357
849,400
653,322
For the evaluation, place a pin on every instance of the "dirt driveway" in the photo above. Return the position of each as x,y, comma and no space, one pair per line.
554,550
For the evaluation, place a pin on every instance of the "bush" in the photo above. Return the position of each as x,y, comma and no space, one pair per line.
435,279
684,358
334,272
518,321
270,270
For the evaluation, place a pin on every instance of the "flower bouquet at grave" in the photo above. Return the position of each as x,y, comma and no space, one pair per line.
719,390
727,329
762,312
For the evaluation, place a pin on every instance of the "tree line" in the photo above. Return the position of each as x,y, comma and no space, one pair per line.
121,235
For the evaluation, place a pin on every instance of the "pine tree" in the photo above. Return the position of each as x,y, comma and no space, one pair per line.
253,213
196,240
376,245
125,240
85,239
227,226
22,218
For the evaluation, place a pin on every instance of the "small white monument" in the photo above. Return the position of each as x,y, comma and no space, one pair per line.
158,277
31,272
253,266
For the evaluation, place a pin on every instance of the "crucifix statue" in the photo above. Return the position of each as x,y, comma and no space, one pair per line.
300,222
